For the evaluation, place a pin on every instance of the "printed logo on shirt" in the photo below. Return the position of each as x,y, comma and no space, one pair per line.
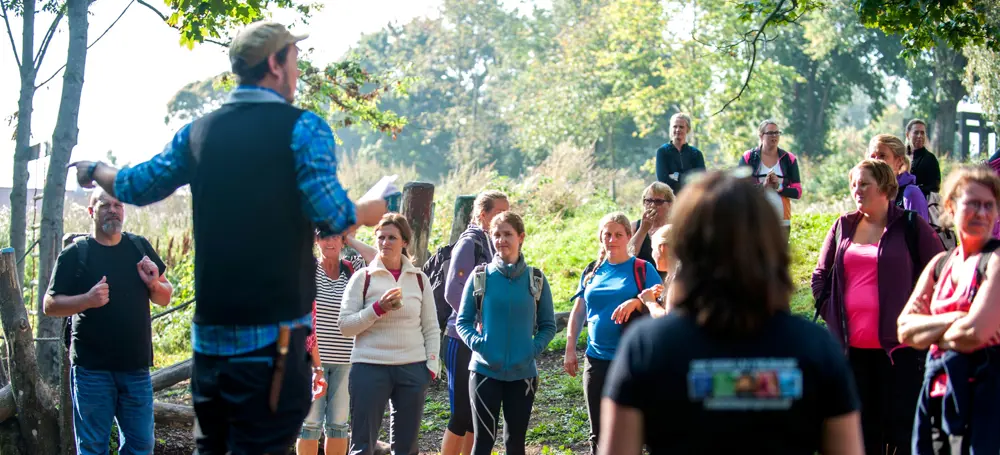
745,384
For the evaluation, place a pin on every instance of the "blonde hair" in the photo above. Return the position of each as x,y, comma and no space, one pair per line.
895,145
659,188
884,176
682,115
958,180
602,254
660,236
484,203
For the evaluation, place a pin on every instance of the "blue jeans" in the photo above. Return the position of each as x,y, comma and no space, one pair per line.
330,411
101,397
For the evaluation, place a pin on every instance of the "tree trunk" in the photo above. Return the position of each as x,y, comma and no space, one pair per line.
22,144
7,406
64,138
418,208
166,377
37,417
949,91
11,442
175,414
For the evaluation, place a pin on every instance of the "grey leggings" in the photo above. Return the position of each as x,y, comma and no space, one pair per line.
404,387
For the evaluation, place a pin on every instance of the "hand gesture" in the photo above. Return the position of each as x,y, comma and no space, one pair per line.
772,180
392,300
319,385
148,271
651,294
98,295
82,177
649,216
624,311
570,362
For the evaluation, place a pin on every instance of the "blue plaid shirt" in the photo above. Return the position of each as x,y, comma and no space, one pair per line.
324,200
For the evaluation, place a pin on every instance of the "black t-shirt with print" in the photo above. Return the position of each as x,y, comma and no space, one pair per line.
768,393
116,336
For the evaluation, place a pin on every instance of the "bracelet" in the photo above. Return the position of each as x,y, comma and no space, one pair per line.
317,369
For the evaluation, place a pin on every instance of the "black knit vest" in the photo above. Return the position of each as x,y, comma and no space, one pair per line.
253,241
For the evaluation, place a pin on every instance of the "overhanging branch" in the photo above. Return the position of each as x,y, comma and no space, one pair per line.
165,18
42,53
13,46
752,45
48,38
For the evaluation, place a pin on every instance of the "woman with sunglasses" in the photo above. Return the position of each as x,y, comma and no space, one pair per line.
656,201
775,168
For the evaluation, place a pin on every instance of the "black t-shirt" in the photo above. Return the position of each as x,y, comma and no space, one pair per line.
116,336
768,393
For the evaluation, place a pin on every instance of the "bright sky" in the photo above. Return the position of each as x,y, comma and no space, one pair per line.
138,66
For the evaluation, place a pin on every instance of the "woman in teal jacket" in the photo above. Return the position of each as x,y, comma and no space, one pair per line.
506,318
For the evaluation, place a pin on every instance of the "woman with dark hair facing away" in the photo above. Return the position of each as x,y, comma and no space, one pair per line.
506,318
954,312
389,309
729,369
867,267
608,294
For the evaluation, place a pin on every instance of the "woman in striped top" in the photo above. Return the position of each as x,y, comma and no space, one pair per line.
331,350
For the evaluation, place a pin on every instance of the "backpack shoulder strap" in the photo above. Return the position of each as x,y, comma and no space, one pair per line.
537,283
912,242
479,289
939,266
899,196
364,292
348,267
639,271
81,254
984,257
137,241
420,281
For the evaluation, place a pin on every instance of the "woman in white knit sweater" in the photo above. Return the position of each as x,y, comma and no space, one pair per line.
389,310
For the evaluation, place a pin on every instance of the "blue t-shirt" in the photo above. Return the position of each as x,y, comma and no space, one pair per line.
611,286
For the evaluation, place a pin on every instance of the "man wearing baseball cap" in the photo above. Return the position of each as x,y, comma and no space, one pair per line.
255,155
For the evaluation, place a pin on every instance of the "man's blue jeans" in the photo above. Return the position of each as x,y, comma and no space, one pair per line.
102,397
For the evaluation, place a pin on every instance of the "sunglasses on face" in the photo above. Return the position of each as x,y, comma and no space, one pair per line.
772,133
656,202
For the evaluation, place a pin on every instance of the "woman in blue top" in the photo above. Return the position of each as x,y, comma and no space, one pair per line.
608,293
501,306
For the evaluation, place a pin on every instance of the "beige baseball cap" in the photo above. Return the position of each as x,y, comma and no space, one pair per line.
258,41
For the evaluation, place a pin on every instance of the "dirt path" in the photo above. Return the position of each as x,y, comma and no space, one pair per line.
558,424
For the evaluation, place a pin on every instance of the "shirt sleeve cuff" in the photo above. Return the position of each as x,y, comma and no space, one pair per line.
378,309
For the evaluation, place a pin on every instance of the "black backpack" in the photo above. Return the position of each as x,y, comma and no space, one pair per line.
436,269
81,256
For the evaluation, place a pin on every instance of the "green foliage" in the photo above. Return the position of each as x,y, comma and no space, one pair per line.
925,23
199,21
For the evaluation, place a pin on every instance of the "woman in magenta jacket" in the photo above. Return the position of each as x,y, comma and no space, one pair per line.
867,268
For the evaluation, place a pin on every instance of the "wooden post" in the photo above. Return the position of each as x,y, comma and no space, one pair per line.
37,419
463,216
418,208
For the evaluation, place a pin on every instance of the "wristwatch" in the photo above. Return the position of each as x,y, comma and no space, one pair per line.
91,169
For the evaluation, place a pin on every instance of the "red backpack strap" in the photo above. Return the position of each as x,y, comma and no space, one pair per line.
347,266
364,293
639,270
420,281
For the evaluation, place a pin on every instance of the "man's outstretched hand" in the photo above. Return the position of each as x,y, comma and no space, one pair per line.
84,175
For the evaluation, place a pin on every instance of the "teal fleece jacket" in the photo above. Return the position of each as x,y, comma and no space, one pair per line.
507,347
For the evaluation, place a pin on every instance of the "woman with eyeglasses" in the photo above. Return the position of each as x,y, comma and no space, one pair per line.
656,201
775,168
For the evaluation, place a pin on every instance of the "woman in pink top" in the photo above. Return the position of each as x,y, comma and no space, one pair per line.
953,310
866,270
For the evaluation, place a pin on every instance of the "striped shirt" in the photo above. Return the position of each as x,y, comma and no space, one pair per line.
334,347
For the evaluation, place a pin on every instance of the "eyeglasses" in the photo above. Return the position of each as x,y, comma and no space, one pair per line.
772,133
654,201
